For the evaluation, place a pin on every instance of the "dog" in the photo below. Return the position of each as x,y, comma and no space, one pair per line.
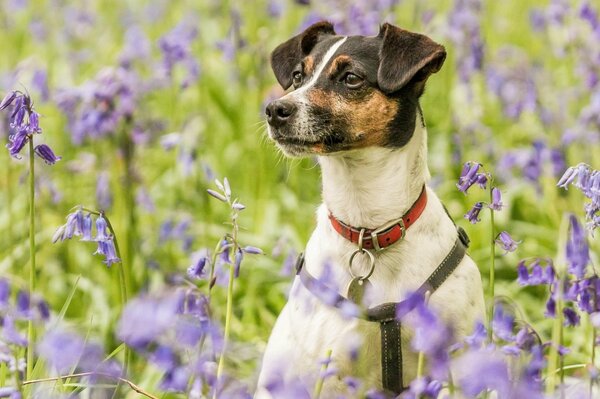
355,106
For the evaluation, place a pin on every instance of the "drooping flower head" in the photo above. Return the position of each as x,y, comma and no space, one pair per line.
24,122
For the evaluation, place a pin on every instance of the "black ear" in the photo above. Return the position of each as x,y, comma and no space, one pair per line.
287,55
406,56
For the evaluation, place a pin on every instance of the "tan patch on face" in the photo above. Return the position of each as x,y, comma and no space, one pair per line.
370,117
342,59
367,118
309,64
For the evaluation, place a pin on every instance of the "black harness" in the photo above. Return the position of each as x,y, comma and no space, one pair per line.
386,314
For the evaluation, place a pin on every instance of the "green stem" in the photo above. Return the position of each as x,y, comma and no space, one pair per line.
32,270
491,293
124,295
228,315
229,307
213,261
321,379
556,339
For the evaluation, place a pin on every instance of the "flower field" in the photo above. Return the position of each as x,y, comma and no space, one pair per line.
150,228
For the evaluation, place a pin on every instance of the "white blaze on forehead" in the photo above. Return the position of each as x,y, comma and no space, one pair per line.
320,67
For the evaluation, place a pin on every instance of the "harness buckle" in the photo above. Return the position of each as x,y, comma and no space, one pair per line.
375,233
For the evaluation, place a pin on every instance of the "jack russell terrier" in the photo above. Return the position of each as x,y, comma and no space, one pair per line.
355,105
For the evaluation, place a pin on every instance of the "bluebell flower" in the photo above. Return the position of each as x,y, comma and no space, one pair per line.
477,371
197,270
464,30
23,304
86,228
423,387
175,380
101,229
104,196
496,200
156,314
577,251
506,242
550,307
10,333
539,275
239,256
61,349
24,122
188,331
46,153
468,176
473,215
4,292
9,392
571,317
588,181
107,248
175,47
478,337
503,323
164,357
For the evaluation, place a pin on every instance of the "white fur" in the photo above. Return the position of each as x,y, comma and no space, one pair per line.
367,188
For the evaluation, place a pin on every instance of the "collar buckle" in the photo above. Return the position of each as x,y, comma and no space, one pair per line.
375,233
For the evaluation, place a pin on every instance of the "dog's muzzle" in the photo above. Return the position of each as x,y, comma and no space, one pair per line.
279,112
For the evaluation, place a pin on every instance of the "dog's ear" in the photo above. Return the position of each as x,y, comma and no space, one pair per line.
405,57
287,55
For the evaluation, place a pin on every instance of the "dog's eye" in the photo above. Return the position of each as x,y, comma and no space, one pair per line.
297,79
353,81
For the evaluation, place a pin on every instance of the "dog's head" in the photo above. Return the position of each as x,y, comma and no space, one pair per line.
349,92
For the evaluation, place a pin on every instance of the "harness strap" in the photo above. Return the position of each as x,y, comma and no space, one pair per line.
389,314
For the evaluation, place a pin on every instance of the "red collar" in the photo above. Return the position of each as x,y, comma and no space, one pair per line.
385,235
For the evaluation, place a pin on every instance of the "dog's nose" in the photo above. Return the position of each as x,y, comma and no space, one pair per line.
279,111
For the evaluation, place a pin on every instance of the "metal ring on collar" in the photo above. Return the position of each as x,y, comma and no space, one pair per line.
371,259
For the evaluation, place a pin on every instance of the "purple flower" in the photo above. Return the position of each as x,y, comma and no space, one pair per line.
239,255
157,315
201,259
539,275
23,304
468,176
9,392
175,47
473,215
46,153
577,251
10,334
503,323
17,141
571,317
496,200
506,242
23,121
8,100
478,337
249,249
101,229
86,228
107,248
4,292
103,193
188,331
164,357
61,349
588,181
550,307
476,371
175,380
